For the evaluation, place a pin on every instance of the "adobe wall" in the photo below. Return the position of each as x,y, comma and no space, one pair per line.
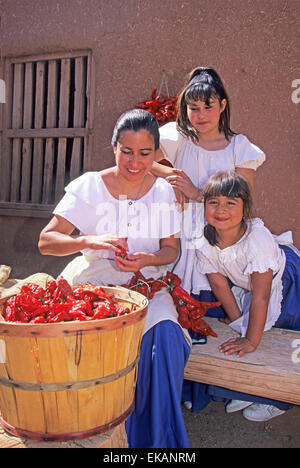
253,44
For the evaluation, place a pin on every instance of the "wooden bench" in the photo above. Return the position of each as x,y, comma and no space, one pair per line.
272,371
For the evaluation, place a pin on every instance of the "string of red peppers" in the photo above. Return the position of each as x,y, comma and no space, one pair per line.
161,106
190,311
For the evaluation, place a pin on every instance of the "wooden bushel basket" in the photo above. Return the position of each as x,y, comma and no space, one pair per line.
70,380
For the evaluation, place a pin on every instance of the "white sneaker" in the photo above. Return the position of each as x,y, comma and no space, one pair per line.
187,404
237,405
260,412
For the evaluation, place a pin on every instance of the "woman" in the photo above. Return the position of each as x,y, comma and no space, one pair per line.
126,207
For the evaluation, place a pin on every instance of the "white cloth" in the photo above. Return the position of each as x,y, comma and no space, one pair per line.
200,164
90,207
256,251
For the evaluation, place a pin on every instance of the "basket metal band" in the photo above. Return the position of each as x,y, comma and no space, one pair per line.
63,386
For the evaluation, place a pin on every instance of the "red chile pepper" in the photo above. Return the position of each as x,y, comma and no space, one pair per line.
87,288
27,302
64,286
185,322
102,311
33,290
60,317
77,315
183,311
39,319
41,310
10,309
180,293
51,286
201,326
121,253
21,316
173,279
122,310
162,107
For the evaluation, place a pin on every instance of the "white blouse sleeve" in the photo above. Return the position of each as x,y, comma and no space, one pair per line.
170,141
262,252
72,208
204,264
246,154
164,210
79,198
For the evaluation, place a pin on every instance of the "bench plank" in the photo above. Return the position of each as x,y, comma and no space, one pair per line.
268,372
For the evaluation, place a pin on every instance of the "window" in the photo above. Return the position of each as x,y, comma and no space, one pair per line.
47,124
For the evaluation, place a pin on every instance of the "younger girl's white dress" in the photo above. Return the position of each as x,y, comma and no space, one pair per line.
200,164
257,251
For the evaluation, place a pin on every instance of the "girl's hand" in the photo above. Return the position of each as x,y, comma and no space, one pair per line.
180,198
133,262
179,180
106,242
240,346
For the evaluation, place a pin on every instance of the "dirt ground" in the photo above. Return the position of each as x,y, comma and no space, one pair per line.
214,428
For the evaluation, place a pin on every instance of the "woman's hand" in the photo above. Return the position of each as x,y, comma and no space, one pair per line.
167,254
105,242
240,346
180,181
133,262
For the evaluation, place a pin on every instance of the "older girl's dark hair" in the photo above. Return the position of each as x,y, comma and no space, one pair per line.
203,84
136,120
231,185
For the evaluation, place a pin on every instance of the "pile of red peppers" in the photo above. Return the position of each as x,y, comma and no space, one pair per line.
161,106
190,311
58,302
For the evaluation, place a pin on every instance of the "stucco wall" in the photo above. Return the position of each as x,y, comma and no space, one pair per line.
253,44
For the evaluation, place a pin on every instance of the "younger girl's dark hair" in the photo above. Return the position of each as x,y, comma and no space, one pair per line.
136,120
203,83
231,185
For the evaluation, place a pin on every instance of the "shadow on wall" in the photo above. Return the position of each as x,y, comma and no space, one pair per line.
20,251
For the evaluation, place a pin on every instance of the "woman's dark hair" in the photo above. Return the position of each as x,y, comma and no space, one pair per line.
136,120
231,185
203,83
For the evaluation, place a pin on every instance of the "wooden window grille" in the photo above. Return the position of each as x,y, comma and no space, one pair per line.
46,130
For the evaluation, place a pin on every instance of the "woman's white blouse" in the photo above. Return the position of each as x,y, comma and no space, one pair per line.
90,207
256,251
200,164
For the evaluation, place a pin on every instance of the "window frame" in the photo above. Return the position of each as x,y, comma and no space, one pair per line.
10,133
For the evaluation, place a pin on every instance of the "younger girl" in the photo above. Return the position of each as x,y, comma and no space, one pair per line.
265,275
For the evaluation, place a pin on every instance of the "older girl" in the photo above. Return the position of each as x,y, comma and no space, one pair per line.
199,144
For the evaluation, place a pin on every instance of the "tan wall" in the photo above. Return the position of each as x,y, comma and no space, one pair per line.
253,44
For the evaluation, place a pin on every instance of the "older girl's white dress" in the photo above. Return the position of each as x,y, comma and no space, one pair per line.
257,251
200,164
